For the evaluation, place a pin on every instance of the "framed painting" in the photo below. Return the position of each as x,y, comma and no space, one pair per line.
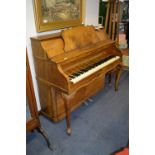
57,14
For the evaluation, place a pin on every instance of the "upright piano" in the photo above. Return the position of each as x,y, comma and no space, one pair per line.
71,67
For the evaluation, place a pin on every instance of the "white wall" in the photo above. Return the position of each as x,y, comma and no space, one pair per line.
92,12
91,18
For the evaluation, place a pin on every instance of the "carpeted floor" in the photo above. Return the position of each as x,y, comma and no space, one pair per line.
99,128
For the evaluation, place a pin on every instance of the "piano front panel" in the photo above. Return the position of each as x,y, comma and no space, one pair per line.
82,52
76,98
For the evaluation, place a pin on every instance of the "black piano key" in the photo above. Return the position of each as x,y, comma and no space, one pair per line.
84,70
75,74
80,72
72,76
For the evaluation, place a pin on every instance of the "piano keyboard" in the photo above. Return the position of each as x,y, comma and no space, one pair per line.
80,75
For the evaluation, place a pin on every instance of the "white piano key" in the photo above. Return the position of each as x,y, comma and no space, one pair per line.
93,70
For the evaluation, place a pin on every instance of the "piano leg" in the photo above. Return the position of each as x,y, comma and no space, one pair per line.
67,109
117,76
110,78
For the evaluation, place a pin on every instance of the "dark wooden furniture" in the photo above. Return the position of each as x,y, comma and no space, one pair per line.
32,118
59,58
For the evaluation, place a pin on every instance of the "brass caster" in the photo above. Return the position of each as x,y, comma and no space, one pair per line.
69,130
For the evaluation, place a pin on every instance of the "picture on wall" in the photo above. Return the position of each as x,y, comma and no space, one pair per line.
55,14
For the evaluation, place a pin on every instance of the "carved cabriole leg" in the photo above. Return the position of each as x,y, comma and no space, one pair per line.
67,109
117,76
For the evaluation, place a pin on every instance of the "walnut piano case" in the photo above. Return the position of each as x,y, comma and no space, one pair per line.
59,56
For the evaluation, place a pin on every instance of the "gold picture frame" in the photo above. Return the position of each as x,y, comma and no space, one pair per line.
57,14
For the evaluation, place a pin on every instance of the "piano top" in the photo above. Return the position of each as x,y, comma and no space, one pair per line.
46,37
57,49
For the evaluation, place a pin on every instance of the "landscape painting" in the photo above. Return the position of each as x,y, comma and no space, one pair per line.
55,14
